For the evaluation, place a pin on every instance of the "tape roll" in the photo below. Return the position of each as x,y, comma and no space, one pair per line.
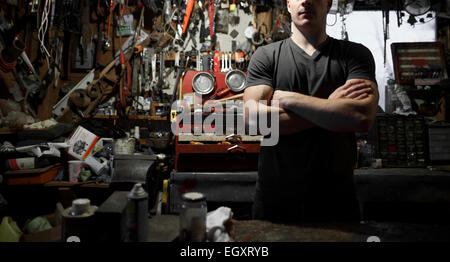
80,98
258,38
93,91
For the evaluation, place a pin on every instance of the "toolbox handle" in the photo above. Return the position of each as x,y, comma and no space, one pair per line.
237,147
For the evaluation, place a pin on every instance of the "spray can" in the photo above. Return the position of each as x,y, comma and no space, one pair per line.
137,215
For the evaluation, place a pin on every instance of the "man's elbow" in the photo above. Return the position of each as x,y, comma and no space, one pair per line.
365,115
364,123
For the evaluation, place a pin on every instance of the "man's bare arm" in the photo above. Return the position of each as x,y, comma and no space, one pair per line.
339,112
289,122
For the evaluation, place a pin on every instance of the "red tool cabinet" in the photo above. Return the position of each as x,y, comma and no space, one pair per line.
209,152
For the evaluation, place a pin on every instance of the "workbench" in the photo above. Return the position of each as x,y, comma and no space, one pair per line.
403,184
166,228
417,199
394,194
404,194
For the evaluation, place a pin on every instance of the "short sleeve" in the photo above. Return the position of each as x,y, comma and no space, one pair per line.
360,63
260,69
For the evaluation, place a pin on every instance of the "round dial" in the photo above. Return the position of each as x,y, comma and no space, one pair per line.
417,7
203,83
235,80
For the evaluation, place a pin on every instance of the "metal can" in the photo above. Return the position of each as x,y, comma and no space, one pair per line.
193,217
137,215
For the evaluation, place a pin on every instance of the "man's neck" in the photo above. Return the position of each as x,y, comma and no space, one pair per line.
308,41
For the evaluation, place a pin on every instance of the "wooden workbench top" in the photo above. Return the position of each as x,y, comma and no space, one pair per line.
165,229
414,171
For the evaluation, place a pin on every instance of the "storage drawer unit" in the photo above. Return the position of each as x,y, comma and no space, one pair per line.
439,143
401,141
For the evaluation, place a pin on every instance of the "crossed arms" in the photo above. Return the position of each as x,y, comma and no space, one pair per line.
350,108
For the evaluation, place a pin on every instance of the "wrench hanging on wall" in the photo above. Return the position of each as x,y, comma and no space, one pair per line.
153,69
385,32
135,84
146,66
161,81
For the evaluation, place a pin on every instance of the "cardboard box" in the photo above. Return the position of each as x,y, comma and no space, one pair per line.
50,235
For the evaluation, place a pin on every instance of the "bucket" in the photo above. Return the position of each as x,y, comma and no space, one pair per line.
124,146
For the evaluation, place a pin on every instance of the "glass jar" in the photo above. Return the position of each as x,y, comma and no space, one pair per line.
193,217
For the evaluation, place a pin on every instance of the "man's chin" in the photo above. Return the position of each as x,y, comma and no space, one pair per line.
304,24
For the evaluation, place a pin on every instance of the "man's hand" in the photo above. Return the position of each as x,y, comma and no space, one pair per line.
355,89
280,94
290,123
283,97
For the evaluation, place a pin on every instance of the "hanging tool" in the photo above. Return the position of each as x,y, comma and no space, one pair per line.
160,84
385,32
198,61
80,98
136,77
192,34
153,69
103,73
107,43
211,12
344,34
125,80
189,7
124,91
233,6
93,91
399,13
138,49
61,108
167,11
135,87
89,85
146,67
226,62
216,61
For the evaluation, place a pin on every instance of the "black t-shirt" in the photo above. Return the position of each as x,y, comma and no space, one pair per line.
315,163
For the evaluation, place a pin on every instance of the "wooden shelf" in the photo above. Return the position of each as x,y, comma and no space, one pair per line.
160,118
213,148
148,117
71,184
9,131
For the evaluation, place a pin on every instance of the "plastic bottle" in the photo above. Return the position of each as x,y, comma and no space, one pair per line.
9,231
